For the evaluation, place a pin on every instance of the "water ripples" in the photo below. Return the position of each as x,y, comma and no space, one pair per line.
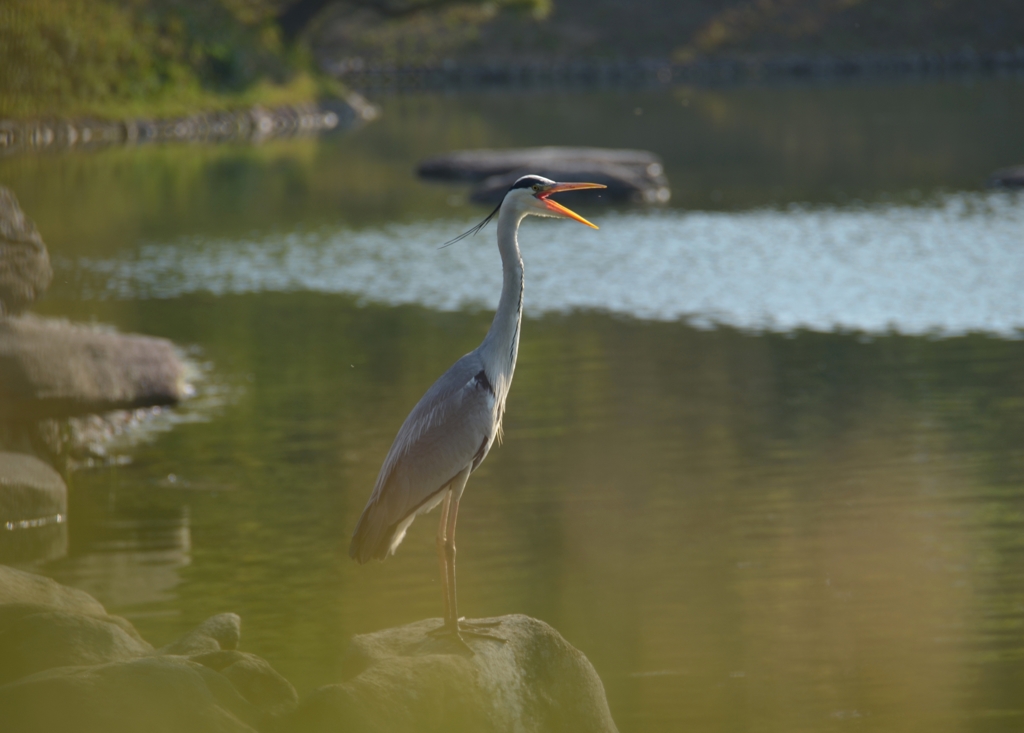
951,267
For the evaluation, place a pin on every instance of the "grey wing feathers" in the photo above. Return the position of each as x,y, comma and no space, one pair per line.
447,429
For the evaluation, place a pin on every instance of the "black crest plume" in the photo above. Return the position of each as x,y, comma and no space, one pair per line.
524,182
474,230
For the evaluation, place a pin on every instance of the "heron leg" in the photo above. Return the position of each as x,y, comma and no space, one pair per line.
458,485
460,626
442,561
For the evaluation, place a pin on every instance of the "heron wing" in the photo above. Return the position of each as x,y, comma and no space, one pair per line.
451,427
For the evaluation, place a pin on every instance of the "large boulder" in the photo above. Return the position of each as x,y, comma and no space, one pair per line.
403,680
25,271
631,175
33,509
52,368
65,664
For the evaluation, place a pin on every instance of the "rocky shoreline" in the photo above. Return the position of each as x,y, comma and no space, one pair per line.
56,378
66,664
359,74
253,125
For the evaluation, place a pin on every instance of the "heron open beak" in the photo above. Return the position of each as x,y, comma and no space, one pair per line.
558,208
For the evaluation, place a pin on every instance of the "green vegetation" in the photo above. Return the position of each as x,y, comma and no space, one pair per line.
663,29
159,58
73,57
117,58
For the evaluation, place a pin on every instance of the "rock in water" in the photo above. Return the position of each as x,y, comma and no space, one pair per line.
631,175
476,165
402,680
51,368
1012,177
25,271
624,184
33,508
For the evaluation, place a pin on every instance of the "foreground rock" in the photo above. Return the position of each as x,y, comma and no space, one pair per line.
631,175
51,368
25,271
65,664
33,509
402,680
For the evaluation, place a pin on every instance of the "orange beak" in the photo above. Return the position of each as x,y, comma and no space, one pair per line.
558,208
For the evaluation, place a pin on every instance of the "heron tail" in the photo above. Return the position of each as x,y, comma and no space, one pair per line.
371,539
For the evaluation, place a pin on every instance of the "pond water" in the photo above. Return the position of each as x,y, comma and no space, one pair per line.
764,452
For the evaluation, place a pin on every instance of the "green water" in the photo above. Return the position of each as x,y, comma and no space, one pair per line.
743,530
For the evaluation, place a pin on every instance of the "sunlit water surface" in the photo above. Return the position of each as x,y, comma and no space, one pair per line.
762,462
951,267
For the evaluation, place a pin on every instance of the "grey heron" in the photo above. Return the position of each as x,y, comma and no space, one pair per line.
452,428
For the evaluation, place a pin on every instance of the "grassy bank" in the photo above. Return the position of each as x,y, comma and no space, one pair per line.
152,58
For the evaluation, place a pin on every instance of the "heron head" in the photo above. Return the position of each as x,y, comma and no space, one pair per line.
530,194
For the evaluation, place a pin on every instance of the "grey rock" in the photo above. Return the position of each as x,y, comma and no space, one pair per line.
215,633
630,185
1012,177
30,491
51,368
25,271
33,508
152,694
476,165
630,175
402,680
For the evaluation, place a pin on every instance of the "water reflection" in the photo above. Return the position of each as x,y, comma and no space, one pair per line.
39,539
129,558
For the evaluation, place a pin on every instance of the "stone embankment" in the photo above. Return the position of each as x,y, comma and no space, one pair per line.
68,665
359,74
255,125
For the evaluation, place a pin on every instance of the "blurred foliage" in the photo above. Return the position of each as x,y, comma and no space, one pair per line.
660,29
163,57
350,32
860,25
76,56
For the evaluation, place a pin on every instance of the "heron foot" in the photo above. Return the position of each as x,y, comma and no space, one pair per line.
471,627
464,629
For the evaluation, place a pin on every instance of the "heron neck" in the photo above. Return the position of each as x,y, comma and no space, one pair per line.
501,345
